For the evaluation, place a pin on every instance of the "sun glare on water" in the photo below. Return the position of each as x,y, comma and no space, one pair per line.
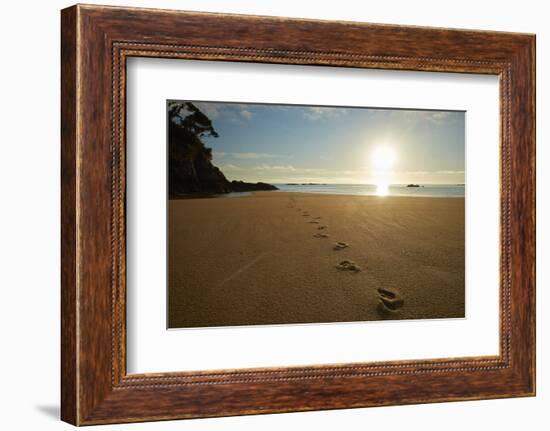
382,189
382,160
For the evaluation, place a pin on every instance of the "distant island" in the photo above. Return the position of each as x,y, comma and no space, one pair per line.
190,167
413,185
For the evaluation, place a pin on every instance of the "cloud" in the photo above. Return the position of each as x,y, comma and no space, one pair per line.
246,114
253,156
412,117
230,167
303,171
315,113
211,110
432,173
231,111
287,168
449,172
248,156
441,117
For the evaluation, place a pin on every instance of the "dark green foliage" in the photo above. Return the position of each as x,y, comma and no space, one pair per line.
190,168
185,115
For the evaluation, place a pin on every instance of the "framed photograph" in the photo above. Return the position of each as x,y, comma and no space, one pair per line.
265,215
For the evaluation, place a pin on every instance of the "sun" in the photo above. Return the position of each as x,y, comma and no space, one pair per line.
383,158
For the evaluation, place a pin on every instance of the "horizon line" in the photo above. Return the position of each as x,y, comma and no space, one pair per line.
360,184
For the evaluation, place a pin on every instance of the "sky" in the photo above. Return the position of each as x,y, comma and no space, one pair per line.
312,144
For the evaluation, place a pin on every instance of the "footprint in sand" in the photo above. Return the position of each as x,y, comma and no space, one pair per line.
340,246
321,235
348,265
322,227
305,214
390,300
313,222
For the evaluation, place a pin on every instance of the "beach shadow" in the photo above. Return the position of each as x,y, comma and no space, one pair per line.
52,411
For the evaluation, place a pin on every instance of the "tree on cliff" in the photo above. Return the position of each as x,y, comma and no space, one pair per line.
187,116
190,169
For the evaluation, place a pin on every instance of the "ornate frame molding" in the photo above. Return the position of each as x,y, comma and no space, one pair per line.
96,41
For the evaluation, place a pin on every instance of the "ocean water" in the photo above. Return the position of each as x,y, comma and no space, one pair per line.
428,190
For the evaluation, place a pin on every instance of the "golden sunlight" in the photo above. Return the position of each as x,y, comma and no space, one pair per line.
382,160
382,189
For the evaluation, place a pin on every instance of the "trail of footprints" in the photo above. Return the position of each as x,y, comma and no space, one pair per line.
390,300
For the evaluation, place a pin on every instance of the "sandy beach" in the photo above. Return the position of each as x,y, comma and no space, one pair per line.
272,258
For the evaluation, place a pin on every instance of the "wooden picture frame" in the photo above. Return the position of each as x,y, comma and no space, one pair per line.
95,43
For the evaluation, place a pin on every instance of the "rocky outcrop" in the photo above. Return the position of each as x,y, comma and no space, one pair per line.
241,186
190,167
198,175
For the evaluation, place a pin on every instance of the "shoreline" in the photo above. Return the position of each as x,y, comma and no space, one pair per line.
278,192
